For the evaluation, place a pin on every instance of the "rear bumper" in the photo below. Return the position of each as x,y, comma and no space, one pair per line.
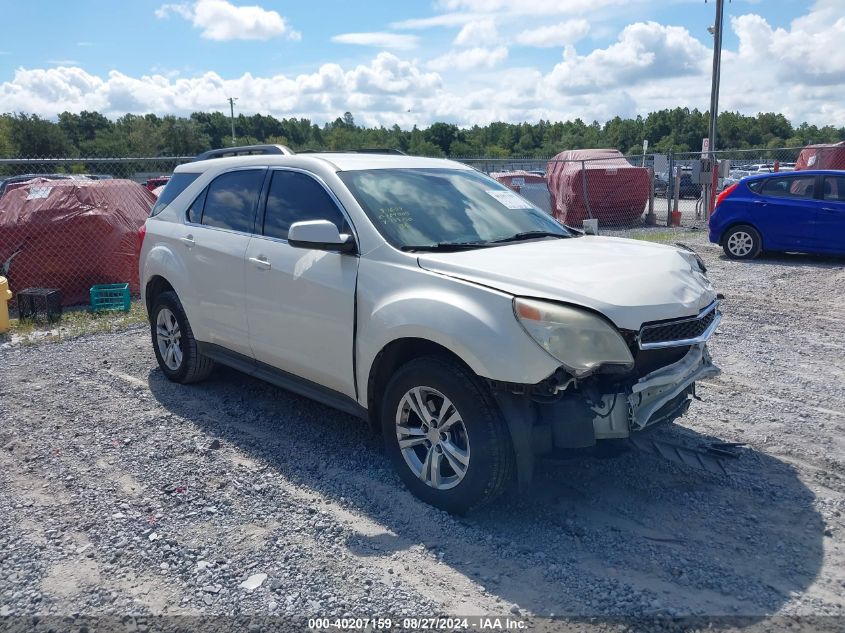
715,235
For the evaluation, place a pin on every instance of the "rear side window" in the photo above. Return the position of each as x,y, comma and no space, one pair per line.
176,185
297,197
755,185
790,187
194,212
834,188
230,200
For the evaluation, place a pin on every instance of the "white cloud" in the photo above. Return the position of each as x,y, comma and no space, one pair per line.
808,53
397,41
478,33
183,10
562,34
647,67
644,51
445,20
535,7
222,21
375,92
469,59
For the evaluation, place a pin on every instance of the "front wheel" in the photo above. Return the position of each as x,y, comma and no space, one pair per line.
742,242
445,435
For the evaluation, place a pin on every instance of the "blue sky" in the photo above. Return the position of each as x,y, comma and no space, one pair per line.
408,62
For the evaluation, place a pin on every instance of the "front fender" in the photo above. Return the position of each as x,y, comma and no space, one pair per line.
474,322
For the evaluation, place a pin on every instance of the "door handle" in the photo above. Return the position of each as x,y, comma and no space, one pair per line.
188,241
828,209
261,262
761,203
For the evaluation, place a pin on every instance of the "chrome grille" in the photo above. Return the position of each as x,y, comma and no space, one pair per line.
680,331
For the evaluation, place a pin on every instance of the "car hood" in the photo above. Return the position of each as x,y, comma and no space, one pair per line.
629,281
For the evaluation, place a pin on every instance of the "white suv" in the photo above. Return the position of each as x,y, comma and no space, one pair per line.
476,331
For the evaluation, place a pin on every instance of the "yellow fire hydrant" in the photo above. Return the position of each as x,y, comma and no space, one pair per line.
5,297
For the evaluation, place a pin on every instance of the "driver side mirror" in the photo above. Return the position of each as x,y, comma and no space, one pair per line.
320,235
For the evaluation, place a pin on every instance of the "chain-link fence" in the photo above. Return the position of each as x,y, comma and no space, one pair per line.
67,225
71,223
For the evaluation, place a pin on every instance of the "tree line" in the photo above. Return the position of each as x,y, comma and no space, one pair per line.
91,134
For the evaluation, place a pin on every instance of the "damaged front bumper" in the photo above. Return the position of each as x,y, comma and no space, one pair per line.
662,395
579,418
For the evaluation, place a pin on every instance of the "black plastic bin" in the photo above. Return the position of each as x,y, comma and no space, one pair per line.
40,304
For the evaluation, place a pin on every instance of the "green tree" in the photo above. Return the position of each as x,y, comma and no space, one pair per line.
39,138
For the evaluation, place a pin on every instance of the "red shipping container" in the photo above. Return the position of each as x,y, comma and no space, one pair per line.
822,157
616,191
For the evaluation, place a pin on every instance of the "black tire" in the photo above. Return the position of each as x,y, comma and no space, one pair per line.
490,466
193,366
742,242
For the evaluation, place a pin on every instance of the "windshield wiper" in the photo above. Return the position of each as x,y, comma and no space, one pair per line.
446,246
528,235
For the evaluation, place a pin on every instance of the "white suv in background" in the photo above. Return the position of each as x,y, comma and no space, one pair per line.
469,326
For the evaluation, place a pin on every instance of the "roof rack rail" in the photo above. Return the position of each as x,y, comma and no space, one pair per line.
245,150
362,150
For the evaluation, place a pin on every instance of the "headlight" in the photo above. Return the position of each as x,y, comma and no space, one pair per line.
580,340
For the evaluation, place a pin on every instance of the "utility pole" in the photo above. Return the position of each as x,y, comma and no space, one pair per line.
232,114
717,67
716,31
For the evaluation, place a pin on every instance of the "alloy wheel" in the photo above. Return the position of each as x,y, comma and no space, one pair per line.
432,437
740,243
169,339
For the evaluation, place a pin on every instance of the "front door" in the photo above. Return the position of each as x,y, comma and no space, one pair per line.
831,219
786,212
301,302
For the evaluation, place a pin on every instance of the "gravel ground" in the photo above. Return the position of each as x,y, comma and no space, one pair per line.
123,493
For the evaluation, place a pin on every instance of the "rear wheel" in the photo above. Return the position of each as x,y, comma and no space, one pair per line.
742,242
173,341
445,435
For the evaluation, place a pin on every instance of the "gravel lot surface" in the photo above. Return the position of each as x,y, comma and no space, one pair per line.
123,493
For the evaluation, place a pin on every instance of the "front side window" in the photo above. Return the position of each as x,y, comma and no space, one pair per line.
790,187
834,188
437,207
231,198
297,197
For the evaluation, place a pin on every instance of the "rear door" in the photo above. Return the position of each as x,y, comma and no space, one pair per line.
830,227
301,302
217,229
785,212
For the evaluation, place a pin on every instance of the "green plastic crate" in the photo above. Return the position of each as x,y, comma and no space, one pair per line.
105,297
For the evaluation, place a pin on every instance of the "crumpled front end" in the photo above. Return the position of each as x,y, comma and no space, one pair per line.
660,396
567,411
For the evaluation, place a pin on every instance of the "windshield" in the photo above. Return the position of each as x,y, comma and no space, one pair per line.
441,207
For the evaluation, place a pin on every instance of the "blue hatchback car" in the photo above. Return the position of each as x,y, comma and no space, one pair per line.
801,211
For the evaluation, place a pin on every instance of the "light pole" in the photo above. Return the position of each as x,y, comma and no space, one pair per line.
232,114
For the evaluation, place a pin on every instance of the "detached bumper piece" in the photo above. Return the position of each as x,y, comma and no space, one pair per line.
678,454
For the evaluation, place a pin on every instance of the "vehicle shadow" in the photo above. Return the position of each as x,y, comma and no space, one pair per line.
771,258
633,535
